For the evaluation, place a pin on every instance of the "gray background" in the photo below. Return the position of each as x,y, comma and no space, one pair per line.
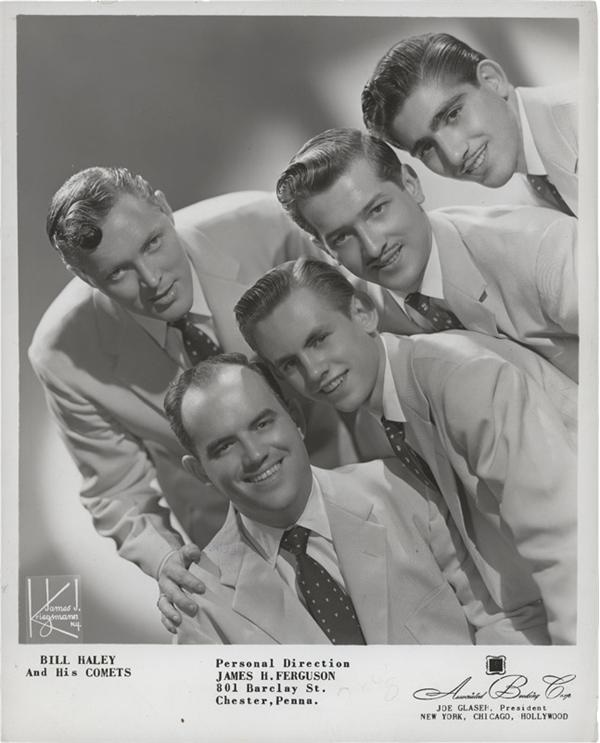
201,106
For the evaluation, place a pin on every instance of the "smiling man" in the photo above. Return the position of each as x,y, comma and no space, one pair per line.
480,419
152,295
454,109
359,555
497,270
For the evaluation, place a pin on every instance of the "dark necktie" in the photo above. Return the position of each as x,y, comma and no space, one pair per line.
328,604
430,309
406,454
548,191
198,345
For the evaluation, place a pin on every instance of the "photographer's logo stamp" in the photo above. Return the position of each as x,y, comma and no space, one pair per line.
495,665
54,609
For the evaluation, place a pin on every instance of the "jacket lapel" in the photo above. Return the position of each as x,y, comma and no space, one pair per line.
260,594
360,545
139,361
464,285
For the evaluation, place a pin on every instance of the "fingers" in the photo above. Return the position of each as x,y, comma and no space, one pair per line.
170,617
190,553
175,571
171,592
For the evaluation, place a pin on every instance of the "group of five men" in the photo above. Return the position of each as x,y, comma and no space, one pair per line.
433,355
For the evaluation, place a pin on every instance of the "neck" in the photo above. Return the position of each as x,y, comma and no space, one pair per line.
513,104
375,401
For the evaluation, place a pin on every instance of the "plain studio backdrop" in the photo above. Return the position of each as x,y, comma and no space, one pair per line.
199,105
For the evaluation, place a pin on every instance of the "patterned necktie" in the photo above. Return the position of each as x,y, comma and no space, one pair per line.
328,604
198,345
406,454
438,316
548,191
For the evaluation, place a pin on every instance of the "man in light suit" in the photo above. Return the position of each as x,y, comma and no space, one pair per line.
105,353
455,110
497,270
390,567
484,430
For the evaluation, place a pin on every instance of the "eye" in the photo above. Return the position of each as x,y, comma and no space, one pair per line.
453,114
340,240
264,423
318,339
222,449
287,366
115,275
379,208
154,243
425,152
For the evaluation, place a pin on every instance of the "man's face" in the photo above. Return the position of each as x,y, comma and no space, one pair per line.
324,354
248,446
140,262
463,131
375,228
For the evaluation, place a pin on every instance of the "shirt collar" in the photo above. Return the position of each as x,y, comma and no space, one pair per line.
533,161
432,284
266,539
158,328
391,407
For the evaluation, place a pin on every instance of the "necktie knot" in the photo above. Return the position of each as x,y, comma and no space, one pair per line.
294,540
198,344
433,311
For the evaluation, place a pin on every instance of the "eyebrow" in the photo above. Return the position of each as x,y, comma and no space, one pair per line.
365,208
436,120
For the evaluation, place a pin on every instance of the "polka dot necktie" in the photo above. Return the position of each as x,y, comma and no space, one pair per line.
406,454
548,191
198,345
329,605
438,316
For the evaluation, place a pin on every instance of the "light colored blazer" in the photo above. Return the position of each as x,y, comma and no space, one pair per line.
553,118
513,271
404,566
505,463
105,379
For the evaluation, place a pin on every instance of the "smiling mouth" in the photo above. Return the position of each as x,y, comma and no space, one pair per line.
157,298
387,258
333,384
265,474
475,162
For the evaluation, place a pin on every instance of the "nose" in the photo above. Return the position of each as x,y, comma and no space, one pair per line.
148,274
314,369
254,452
453,147
371,243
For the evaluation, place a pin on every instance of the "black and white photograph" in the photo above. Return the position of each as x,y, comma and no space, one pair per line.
292,297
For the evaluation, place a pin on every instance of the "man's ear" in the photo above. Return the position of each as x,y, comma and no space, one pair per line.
411,183
491,74
164,205
363,311
193,467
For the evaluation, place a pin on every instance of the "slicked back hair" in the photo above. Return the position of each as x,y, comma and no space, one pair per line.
409,63
81,204
276,285
323,159
201,376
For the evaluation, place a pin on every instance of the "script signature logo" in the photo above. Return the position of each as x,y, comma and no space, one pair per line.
53,608
513,686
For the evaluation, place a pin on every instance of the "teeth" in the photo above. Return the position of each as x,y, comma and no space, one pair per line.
477,162
333,385
388,258
266,474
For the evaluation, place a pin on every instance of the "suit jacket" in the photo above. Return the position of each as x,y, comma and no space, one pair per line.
105,379
405,568
552,116
513,271
505,463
